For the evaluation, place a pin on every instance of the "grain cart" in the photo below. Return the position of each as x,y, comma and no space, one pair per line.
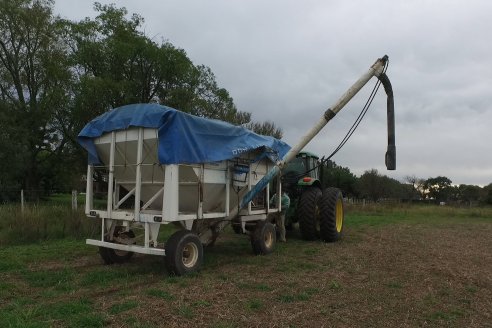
161,166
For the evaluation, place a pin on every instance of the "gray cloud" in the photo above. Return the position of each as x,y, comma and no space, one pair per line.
287,61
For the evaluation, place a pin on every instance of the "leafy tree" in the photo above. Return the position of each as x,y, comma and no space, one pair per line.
375,186
468,193
438,188
267,128
118,65
369,185
339,177
486,194
34,79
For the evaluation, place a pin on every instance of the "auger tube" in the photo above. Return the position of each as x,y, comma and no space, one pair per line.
376,70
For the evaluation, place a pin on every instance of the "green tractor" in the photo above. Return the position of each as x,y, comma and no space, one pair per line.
319,212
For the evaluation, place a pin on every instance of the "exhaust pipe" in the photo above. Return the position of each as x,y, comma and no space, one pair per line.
390,157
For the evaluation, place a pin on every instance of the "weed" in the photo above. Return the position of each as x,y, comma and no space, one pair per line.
48,278
186,312
395,285
471,289
335,285
160,294
263,288
254,304
201,303
104,276
122,307
290,298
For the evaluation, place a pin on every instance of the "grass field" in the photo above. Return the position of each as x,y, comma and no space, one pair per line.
395,267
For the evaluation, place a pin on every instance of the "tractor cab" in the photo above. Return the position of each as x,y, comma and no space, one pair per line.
301,172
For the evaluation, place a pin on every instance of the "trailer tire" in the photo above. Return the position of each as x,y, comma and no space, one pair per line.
308,213
237,228
332,215
104,253
111,256
263,238
184,253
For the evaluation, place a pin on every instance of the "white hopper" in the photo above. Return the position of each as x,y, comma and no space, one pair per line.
174,168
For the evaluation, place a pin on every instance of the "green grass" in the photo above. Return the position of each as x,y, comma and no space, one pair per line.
160,294
432,260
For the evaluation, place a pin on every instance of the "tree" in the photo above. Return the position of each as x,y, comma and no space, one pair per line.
118,65
468,193
417,185
34,79
486,194
339,177
438,188
375,186
369,185
266,128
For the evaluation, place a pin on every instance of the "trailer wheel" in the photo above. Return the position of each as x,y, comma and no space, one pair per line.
263,238
110,255
184,253
237,228
331,221
308,213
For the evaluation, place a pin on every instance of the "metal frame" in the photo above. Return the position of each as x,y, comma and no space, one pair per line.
169,190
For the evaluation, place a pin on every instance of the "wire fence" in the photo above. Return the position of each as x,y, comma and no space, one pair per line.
24,198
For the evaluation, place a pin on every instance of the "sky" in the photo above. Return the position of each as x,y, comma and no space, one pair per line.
288,61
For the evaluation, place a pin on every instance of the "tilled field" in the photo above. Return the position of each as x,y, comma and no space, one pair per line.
409,272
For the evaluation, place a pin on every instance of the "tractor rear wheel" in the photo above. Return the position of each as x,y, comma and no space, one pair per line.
308,213
263,238
331,218
184,253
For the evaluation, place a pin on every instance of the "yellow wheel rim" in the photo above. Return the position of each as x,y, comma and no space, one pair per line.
339,215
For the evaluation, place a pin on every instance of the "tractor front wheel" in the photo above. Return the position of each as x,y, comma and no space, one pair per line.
308,213
331,218
184,253
263,238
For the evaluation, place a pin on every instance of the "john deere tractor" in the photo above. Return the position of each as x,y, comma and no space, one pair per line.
319,214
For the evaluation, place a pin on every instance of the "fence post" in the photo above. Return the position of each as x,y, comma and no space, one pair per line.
74,200
22,201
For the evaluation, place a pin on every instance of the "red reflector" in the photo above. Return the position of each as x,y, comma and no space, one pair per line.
306,179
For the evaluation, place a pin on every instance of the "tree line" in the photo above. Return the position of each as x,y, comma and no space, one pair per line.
57,74
375,186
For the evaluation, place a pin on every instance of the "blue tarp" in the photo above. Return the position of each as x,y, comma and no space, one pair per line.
183,138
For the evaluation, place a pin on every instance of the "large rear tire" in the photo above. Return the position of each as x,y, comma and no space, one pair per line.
308,213
331,218
184,253
263,238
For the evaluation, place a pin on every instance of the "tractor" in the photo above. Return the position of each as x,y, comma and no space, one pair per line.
301,179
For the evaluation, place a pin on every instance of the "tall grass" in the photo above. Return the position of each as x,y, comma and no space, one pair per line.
42,222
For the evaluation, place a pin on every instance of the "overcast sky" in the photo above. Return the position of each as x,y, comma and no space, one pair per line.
287,61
